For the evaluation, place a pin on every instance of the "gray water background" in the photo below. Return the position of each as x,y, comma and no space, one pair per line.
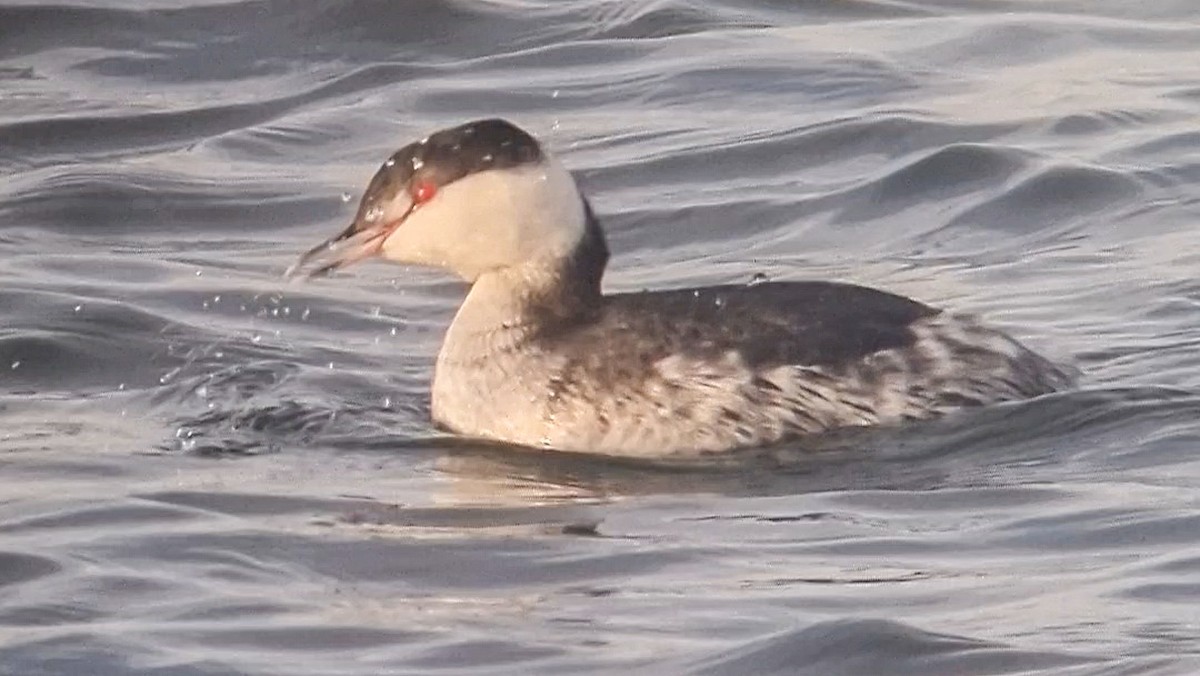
204,470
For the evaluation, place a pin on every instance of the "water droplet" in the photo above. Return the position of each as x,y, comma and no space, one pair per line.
373,214
376,311
304,315
121,387
346,197
488,157
15,365
391,162
78,308
387,402
287,310
330,366
555,126
719,301
256,338
169,375
417,163
423,141
199,273
758,278
393,330
217,298
554,94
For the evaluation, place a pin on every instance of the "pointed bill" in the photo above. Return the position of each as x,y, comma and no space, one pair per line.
352,245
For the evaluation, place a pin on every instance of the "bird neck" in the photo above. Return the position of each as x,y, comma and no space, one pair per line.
507,306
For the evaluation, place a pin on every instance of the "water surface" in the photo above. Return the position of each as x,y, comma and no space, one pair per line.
204,470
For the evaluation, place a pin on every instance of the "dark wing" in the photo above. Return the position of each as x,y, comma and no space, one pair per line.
804,323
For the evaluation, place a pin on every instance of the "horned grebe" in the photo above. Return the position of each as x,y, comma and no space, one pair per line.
538,356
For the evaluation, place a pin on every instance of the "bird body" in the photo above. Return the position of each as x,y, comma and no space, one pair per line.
537,355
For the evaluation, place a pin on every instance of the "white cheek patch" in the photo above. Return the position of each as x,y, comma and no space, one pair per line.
493,219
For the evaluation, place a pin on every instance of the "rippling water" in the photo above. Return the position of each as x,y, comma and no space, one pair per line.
206,471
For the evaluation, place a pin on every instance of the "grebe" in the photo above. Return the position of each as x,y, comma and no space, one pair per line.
538,356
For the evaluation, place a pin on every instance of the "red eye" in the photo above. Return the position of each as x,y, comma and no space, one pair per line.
423,192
